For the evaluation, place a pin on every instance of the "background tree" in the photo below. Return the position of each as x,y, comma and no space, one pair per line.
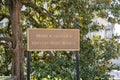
94,54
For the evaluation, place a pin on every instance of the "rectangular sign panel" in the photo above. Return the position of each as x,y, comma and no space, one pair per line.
53,39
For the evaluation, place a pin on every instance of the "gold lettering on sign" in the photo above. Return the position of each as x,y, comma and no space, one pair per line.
53,36
62,36
67,43
39,43
41,36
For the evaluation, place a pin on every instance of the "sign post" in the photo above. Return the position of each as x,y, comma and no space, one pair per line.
28,65
54,40
77,65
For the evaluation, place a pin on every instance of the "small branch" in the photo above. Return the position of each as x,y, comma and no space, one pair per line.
40,10
34,6
8,28
50,53
30,17
4,16
6,45
5,39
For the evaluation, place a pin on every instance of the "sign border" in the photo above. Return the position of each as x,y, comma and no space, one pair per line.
28,49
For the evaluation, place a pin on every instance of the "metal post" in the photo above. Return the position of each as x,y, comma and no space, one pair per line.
28,65
77,26
77,65
28,56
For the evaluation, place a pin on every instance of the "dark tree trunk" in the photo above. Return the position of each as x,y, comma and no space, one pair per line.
18,51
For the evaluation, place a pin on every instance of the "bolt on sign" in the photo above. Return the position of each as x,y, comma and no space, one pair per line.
53,39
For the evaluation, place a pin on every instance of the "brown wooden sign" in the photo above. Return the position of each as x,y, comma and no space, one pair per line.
53,39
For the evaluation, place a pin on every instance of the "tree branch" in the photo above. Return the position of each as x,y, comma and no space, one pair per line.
34,6
6,45
34,22
8,28
42,11
5,39
50,53
4,16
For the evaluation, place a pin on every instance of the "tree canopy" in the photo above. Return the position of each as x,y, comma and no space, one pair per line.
63,14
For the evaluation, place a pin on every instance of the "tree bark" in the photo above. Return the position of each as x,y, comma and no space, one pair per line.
17,43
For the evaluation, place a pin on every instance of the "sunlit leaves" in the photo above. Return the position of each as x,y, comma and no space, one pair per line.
112,20
94,54
5,61
57,66
102,14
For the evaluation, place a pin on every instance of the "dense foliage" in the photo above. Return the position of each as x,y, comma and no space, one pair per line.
67,14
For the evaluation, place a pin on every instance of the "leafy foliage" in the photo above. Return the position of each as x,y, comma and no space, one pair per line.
5,61
94,53
59,66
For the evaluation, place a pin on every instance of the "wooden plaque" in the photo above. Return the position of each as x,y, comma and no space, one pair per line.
53,39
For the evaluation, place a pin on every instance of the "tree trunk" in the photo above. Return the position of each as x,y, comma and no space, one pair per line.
18,51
